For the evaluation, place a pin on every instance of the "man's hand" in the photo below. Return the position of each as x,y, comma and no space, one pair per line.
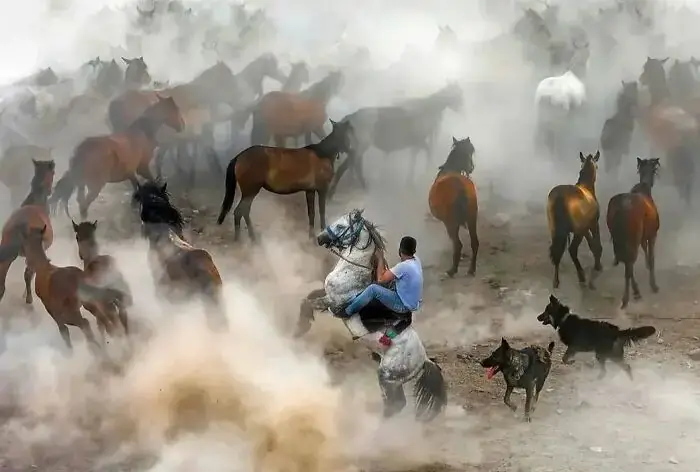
384,275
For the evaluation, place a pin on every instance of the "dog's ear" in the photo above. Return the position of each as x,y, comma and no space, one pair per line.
504,343
553,299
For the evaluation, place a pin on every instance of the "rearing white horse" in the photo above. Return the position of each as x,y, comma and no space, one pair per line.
401,359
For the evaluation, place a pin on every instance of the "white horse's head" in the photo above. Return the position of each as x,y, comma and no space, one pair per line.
351,230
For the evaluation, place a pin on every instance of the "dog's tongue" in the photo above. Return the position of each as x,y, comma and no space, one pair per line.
490,372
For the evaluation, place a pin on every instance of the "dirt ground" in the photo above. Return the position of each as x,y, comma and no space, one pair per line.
650,424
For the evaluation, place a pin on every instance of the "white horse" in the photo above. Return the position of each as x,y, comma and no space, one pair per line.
355,241
557,99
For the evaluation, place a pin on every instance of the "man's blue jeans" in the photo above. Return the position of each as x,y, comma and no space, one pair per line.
383,295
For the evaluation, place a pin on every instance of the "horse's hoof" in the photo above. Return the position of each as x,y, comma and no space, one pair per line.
637,296
471,273
591,286
623,305
655,288
450,273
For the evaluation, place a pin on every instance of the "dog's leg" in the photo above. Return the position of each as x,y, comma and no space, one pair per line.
506,398
625,366
568,356
601,363
528,402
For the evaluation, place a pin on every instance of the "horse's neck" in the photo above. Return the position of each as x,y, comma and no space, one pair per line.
321,92
586,184
659,92
643,188
146,125
37,197
88,252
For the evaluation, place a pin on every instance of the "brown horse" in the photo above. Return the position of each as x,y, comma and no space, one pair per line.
116,157
136,74
63,290
16,168
452,200
178,267
633,221
284,171
101,270
283,115
671,130
32,214
574,209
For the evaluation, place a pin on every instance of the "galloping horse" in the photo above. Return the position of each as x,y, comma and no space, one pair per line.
411,124
16,168
670,129
452,200
633,221
284,171
177,266
574,209
116,157
32,214
401,358
283,115
617,130
102,270
63,290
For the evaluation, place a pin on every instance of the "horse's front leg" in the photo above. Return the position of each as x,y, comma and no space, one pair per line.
316,300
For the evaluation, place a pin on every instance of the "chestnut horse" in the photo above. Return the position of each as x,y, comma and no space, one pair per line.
116,157
283,115
178,267
32,214
633,221
452,200
63,290
16,168
101,270
671,130
574,209
284,171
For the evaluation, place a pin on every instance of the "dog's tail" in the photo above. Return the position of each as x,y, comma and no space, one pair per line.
430,391
635,334
550,348
560,222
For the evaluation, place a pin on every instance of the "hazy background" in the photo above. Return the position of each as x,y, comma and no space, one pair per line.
255,399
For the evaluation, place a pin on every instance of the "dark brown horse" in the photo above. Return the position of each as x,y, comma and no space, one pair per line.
412,124
452,200
574,209
63,290
281,115
617,131
16,168
672,131
101,270
633,221
179,268
32,214
115,158
284,171
136,74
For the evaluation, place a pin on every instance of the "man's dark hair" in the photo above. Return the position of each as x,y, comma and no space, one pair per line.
407,246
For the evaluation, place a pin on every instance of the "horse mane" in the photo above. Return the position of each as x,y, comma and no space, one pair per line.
156,207
374,234
452,163
313,90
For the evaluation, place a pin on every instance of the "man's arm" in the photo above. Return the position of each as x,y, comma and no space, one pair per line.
384,274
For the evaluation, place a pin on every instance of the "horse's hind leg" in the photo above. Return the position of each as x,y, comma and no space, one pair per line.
93,192
394,397
311,210
243,210
651,263
4,268
573,252
453,233
28,276
322,196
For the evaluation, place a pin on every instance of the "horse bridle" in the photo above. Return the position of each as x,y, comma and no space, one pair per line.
355,227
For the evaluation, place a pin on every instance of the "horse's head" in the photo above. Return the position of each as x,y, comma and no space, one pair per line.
300,72
647,169
95,63
167,111
44,172
334,81
85,236
589,167
628,97
136,71
351,231
157,211
341,137
269,66
46,77
461,157
653,72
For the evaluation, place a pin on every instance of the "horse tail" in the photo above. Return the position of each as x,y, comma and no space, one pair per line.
560,222
230,194
63,191
430,391
617,221
259,134
460,210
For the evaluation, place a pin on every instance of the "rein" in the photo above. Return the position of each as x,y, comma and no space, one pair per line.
339,237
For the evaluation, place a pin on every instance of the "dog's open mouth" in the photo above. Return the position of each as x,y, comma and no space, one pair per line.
491,371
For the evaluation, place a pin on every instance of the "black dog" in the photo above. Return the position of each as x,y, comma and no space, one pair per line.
526,368
584,335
